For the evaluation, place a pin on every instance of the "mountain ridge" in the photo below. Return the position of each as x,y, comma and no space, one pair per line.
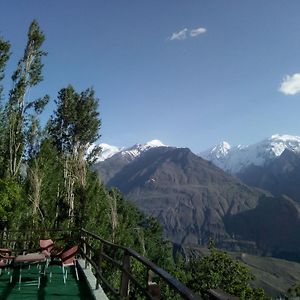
188,195
234,159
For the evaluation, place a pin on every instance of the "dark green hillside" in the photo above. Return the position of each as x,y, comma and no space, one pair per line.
274,275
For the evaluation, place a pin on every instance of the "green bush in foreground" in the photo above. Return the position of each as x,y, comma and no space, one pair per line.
219,271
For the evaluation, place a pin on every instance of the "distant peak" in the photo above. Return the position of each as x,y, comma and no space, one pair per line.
285,137
225,145
221,149
138,149
155,143
234,159
105,146
107,151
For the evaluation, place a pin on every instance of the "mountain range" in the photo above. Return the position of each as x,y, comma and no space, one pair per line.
112,160
234,159
188,195
242,208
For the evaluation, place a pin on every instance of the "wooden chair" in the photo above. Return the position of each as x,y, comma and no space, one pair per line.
46,246
67,259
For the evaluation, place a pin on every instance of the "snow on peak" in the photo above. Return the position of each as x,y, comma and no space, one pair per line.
277,143
217,153
234,159
285,137
155,143
130,153
221,150
138,149
107,151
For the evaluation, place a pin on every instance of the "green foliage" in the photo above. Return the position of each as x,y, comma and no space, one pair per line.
4,56
91,207
219,270
75,124
293,291
29,70
18,107
51,196
11,206
73,129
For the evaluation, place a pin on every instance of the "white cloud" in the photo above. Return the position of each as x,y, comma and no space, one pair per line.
180,35
195,32
186,33
290,84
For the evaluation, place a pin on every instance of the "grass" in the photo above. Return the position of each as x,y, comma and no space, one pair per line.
55,289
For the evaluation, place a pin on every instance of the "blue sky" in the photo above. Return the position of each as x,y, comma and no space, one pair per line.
157,78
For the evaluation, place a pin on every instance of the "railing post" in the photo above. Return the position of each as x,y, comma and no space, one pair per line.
99,265
153,287
125,277
89,253
84,248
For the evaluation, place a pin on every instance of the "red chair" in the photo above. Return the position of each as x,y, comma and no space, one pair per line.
67,259
46,246
5,261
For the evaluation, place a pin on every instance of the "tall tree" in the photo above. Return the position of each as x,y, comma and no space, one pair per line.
27,75
4,56
35,172
45,186
74,128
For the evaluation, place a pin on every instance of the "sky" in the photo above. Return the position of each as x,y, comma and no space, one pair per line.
190,73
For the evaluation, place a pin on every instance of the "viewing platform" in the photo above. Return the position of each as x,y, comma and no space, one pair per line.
56,289
105,271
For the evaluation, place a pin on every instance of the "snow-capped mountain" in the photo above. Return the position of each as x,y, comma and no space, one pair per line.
138,149
129,153
108,151
112,165
218,153
234,159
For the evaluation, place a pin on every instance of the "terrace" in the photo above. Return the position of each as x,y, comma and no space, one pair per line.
120,271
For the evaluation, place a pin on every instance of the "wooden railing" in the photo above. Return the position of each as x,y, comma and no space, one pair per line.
122,272
152,283
97,250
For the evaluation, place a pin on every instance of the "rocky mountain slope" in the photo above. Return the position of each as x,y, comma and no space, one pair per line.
189,196
280,176
107,167
195,200
273,224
